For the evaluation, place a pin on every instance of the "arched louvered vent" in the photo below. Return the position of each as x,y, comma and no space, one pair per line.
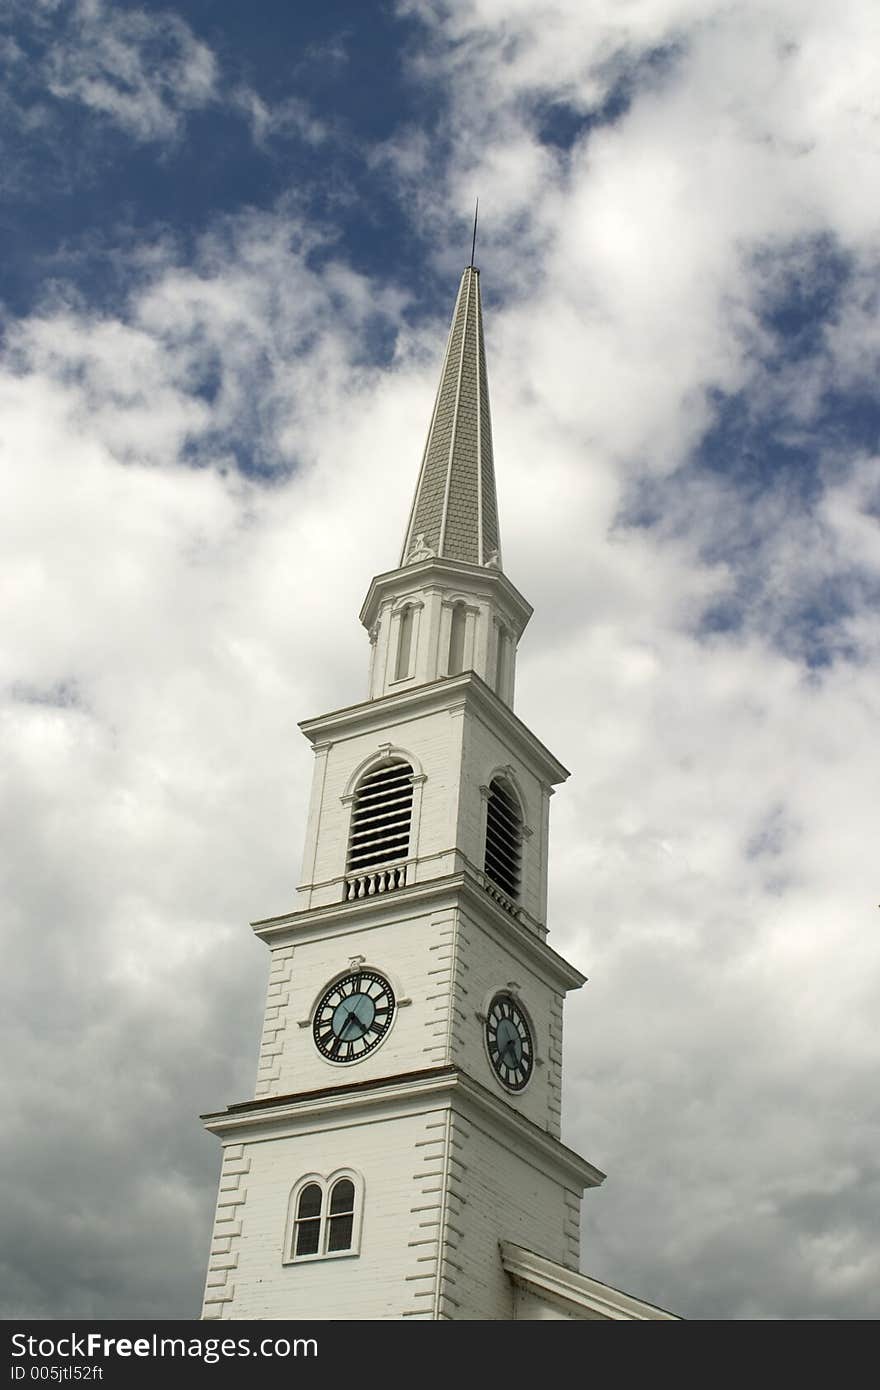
380,825
504,833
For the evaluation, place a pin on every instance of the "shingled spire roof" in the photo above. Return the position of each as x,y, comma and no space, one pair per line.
455,513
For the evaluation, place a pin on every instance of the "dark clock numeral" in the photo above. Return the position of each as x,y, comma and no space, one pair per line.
361,1003
509,1042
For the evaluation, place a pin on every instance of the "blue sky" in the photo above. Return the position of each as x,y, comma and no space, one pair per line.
231,239
288,107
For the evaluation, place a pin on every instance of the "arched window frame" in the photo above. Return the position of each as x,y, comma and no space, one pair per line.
405,610
327,1185
387,753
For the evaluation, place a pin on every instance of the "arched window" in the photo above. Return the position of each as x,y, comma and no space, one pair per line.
504,835
324,1218
380,826
308,1221
404,642
341,1217
456,639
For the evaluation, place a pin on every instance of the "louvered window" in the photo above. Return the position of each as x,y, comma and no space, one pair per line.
381,818
504,834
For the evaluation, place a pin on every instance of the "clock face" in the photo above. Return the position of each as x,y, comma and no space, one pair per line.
509,1041
353,1016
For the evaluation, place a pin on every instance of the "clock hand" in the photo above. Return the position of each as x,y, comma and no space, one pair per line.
352,1015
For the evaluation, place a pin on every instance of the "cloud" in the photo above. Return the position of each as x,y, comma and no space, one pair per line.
142,70
86,80
204,475
84,74
152,580
291,117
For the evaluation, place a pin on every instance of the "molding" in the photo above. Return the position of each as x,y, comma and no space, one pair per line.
458,575
385,753
430,698
459,601
544,1277
385,908
416,862
412,1092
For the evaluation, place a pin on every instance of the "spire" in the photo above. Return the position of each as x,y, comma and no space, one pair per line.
455,514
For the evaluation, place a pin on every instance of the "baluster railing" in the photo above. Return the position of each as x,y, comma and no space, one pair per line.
380,881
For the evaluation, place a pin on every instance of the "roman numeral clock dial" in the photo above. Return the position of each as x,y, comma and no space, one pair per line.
509,1042
353,1016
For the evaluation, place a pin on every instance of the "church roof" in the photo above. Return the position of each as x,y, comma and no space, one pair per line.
577,1295
455,512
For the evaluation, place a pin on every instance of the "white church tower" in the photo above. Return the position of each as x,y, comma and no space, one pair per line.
402,1157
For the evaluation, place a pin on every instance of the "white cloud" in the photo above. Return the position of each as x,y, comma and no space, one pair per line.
141,69
714,854
293,116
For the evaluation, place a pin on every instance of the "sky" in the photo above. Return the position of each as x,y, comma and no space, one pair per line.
230,241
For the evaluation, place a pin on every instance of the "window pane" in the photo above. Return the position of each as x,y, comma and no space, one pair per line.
309,1201
307,1233
340,1232
342,1197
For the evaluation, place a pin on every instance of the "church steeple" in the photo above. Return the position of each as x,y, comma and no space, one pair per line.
455,512
448,608
401,1156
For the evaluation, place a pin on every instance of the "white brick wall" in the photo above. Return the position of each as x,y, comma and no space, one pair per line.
500,1195
444,964
383,1281
413,953
488,965
440,1192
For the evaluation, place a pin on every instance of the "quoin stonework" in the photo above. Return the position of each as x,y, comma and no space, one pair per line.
401,1156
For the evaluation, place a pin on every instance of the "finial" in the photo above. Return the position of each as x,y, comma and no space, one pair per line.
474,242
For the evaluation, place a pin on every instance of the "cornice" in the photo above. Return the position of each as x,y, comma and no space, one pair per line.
277,1116
543,1276
437,695
459,574
315,922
